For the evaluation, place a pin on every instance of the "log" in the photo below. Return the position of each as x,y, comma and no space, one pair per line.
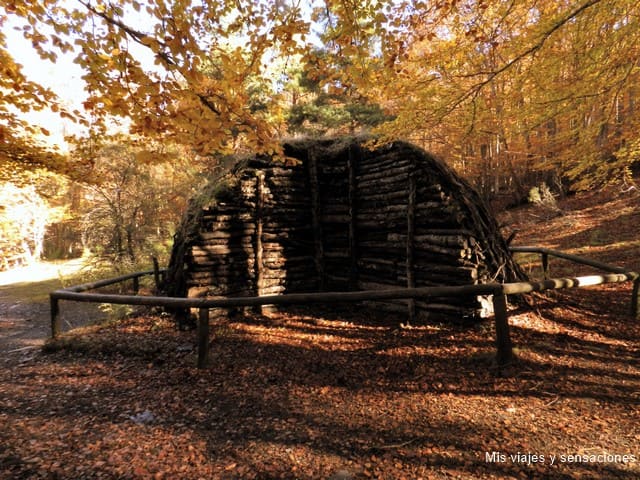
337,280
387,184
222,280
231,242
220,271
335,218
398,171
373,285
397,210
316,223
340,254
439,218
206,260
375,222
281,261
444,231
259,247
372,262
446,251
288,184
228,225
224,235
381,163
452,241
214,250
427,279
229,290
387,276
285,212
332,170
424,269
368,197
275,200
336,235
275,290
277,247
279,228
451,252
284,172
398,167
335,209
410,245
241,217
292,271
376,249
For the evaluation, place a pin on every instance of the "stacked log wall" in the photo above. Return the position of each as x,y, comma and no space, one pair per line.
342,218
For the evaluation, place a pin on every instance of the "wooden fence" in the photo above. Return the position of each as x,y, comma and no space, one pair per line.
499,292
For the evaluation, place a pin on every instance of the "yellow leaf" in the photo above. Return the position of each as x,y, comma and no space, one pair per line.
149,42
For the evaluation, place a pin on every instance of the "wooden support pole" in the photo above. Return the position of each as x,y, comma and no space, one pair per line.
411,227
55,316
259,248
136,285
156,273
203,337
545,265
635,299
314,185
504,347
352,165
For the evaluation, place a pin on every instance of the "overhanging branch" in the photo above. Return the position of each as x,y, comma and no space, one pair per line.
138,37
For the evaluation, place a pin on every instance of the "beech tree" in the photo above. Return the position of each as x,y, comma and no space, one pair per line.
176,98
489,84
134,195
503,84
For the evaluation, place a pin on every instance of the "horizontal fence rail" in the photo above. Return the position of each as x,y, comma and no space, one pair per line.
499,293
547,252
111,281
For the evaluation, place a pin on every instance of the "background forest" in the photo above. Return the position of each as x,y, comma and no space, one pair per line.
514,94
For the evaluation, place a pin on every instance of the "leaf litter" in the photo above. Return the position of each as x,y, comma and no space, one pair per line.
336,393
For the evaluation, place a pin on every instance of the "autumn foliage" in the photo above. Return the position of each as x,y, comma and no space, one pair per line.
513,86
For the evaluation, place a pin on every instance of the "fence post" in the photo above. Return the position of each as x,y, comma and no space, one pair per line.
504,347
136,285
156,273
545,265
55,315
203,337
635,299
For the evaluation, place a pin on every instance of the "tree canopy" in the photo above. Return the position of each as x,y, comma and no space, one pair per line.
490,83
520,79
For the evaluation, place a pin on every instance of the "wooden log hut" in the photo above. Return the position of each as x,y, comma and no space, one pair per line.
341,217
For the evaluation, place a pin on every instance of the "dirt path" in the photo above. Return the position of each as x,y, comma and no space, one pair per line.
24,308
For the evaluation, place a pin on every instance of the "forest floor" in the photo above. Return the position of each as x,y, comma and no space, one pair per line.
342,394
